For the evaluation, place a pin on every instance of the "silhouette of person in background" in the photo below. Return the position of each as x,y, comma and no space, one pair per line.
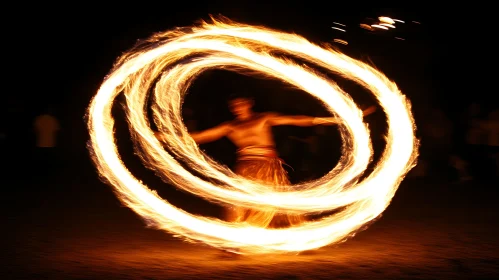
309,160
46,128
462,168
3,139
476,137
491,128
438,147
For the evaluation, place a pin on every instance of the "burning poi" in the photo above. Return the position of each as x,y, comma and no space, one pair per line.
229,45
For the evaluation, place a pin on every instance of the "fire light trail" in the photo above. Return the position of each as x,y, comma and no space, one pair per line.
177,57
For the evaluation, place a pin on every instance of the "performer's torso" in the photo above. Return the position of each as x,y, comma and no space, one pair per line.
254,132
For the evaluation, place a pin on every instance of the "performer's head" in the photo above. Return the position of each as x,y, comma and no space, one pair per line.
241,105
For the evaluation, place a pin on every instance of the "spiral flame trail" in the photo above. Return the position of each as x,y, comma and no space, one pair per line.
177,57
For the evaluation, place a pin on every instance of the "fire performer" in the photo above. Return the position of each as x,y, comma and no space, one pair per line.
257,158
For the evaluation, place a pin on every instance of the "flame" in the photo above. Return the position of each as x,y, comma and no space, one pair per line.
176,58
341,41
387,25
386,20
366,26
379,26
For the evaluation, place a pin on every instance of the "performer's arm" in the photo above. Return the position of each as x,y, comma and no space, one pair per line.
211,134
276,119
205,136
369,110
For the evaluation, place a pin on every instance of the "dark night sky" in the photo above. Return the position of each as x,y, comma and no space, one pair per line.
77,44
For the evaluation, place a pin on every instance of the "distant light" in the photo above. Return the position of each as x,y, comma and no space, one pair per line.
366,26
386,20
398,20
398,38
387,25
343,42
339,24
416,22
379,26
342,30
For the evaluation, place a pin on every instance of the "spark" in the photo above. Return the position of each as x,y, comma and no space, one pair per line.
398,20
341,41
228,45
337,28
379,26
366,26
387,25
337,23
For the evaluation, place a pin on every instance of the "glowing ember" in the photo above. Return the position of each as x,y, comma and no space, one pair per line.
224,44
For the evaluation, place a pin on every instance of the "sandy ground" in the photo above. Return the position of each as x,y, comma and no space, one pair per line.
428,232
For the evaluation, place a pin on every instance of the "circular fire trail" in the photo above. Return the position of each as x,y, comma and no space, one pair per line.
170,62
